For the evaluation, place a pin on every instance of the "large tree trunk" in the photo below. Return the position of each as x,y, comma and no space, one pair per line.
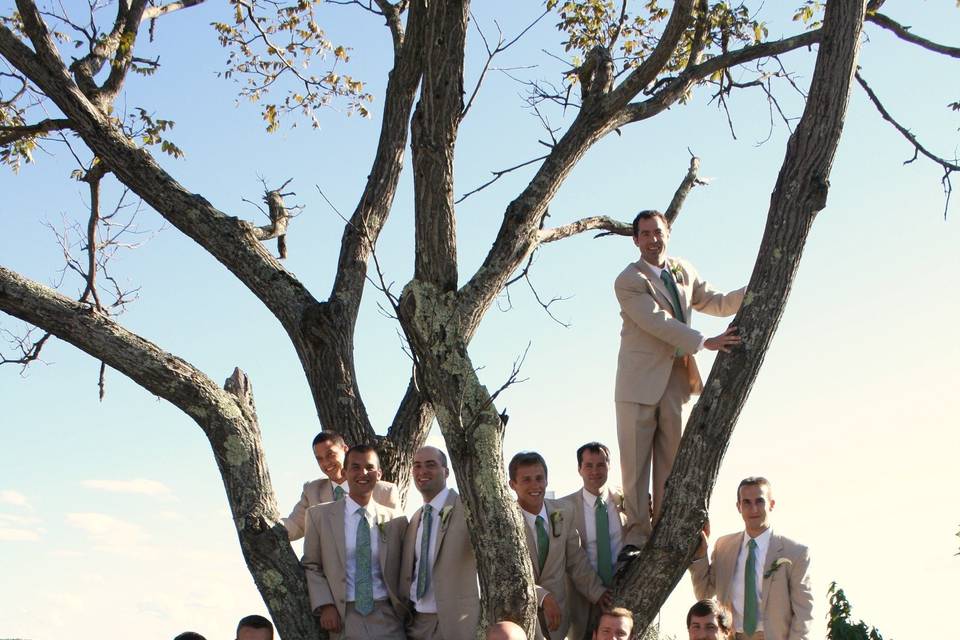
801,192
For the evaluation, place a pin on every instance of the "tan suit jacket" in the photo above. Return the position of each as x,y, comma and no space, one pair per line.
565,558
578,605
325,553
786,603
651,336
320,491
454,571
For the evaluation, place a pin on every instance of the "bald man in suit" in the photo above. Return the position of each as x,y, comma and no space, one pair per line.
439,570
656,369
330,449
351,557
554,546
761,576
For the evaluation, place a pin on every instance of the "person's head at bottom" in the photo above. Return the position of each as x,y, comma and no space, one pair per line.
189,635
254,628
505,630
615,624
708,620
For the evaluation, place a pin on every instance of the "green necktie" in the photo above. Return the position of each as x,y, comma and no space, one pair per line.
338,493
363,575
423,571
604,561
750,600
674,294
543,543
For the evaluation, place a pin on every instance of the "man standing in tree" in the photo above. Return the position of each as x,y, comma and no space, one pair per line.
554,546
759,575
351,556
439,571
656,369
599,521
330,449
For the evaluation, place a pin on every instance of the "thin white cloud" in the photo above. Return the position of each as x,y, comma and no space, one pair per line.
102,527
9,519
138,486
17,499
9,534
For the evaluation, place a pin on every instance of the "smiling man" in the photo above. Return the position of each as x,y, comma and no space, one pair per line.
600,521
554,546
330,450
708,620
351,556
656,369
439,570
759,575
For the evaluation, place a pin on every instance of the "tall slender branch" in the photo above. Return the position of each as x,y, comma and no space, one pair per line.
904,33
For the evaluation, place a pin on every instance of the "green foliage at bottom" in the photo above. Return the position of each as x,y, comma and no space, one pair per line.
840,626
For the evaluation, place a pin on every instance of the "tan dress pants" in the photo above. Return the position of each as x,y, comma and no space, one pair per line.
382,622
649,435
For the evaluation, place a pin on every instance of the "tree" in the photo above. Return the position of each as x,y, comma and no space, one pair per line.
696,44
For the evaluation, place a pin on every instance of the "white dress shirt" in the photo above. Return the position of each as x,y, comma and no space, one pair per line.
763,543
658,270
351,522
590,522
428,603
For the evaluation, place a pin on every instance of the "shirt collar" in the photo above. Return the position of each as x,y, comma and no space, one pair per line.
440,499
591,499
531,517
351,506
657,270
762,540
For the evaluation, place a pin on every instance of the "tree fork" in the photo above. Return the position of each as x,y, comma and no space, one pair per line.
801,190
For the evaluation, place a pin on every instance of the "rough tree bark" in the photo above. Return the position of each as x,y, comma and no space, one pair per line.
800,192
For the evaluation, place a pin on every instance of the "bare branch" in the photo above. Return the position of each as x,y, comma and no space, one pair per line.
152,13
948,166
689,181
904,33
604,223
29,349
496,176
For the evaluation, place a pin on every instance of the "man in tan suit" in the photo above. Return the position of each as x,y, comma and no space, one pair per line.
439,570
600,520
330,449
656,369
351,556
759,575
554,546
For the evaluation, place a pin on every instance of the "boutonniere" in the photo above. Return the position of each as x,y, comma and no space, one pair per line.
556,519
618,501
382,526
445,515
779,562
677,272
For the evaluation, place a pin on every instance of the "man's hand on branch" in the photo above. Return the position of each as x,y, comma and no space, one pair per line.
724,341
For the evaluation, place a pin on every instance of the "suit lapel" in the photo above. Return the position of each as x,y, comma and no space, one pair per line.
728,564
531,549
449,502
774,551
325,489
580,514
555,535
410,545
675,268
382,544
664,297
338,524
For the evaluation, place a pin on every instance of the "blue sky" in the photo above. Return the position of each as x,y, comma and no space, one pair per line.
112,515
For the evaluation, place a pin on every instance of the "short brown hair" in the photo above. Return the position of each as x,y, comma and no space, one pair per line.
754,481
711,607
618,612
593,447
362,448
524,458
646,215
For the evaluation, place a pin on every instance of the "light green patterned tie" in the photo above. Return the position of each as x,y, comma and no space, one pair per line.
667,278
543,542
423,571
750,600
363,575
604,560
338,493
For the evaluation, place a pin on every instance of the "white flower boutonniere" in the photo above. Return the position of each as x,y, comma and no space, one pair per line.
556,520
677,272
382,526
779,562
445,515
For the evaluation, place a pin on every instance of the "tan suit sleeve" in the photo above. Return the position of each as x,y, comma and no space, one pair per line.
801,597
704,579
387,494
312,562
706,299
295,522
637,303
581,572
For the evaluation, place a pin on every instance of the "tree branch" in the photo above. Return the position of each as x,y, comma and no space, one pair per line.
152,13
689,181
904,33
9,135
